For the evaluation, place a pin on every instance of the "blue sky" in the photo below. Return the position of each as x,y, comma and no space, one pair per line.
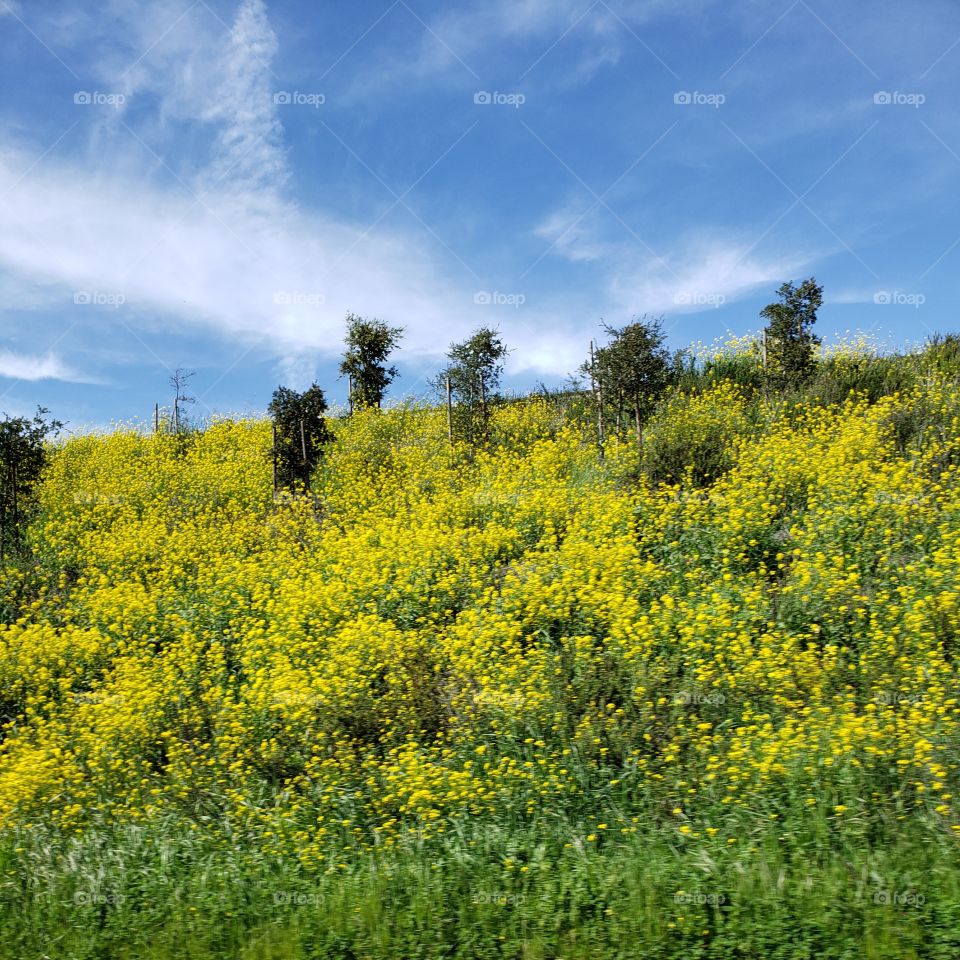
213,184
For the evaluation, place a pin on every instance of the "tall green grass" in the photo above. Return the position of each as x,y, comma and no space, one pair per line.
802,888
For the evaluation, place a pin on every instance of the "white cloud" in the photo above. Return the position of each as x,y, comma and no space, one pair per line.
574,234
703,274
233,255
287,276
578,35
555,354
17,366
250,151
225,250
851,296
516,21
697,273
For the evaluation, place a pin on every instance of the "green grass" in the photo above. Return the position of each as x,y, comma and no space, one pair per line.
803,888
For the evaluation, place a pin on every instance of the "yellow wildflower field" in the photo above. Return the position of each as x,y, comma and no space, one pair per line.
437,636
436,632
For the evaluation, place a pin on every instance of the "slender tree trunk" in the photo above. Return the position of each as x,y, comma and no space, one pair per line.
766,365
274,455
303,448
16,501
600,424
449,412
598,398
483,407
3,514
15,506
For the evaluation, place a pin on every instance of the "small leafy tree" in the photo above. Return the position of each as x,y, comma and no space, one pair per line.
369,344
474,372
22,458
791,342
301,434
632,370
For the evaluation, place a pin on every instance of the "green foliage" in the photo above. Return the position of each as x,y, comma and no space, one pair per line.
791,342
873,377
301,433
525,888
369,344
22,458
943,353
692,437
631,371
474,372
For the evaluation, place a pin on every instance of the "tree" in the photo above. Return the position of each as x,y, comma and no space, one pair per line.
633,370
473,373
179,382
369,344
23,456
301,433
791,342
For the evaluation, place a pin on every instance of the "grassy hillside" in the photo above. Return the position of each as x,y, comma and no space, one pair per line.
694,700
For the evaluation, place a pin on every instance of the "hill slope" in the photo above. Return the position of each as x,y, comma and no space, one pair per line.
519,702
